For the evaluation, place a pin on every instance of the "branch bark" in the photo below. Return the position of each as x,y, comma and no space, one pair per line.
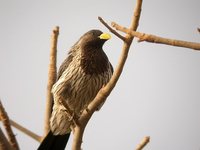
156,39
143,143
4,144
26,131
6,122
106,90
51,78
111,30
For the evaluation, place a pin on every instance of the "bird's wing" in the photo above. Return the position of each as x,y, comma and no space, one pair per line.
68,60
64,66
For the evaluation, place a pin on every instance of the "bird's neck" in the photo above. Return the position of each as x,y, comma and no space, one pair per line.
94,61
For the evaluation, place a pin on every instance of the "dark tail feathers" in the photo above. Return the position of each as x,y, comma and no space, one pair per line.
54,142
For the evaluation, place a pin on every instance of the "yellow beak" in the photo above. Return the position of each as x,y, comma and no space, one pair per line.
105,36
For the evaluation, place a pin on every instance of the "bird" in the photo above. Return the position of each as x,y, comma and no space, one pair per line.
81,75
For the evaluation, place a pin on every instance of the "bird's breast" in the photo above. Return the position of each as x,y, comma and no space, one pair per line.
78,87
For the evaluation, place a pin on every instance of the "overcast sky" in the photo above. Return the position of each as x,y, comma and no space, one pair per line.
157,95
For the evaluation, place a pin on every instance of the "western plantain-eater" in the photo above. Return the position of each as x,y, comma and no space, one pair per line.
80,77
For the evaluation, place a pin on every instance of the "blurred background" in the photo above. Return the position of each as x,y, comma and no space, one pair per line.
157,95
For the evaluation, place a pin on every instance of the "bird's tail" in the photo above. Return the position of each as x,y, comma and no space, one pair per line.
54,142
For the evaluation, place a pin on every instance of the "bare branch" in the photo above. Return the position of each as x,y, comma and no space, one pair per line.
4,144
111,30
106,90
51,78
26,131
5,120
136,15
156,39
143,143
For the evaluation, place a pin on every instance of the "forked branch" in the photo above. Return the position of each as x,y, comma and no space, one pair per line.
4,144
156,39
6,123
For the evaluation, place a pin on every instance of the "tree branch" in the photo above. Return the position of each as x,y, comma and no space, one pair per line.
111,30
26,131
106,90
156,39
51,79
4,144
5,120
143,143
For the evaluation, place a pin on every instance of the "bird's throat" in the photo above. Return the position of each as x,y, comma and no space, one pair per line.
94,61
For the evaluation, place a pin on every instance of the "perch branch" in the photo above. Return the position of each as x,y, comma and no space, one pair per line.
25,131
6,122
51,78
4,144
156,39
106,90
143,143
111,29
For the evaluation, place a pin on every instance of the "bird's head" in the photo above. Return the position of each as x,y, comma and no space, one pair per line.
94,39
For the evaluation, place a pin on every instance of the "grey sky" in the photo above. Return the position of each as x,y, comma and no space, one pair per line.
157,94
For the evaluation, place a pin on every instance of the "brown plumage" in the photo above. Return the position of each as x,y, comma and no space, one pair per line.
80,77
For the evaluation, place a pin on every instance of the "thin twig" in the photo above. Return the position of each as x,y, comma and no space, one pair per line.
156,39
106,90
26,131
111,30
4,144
143,143
6,122
51,79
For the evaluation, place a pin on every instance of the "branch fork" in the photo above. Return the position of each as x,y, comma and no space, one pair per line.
156,39
6,123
